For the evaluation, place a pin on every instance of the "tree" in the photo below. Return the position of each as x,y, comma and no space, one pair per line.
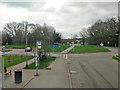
103,32
84,35
75,36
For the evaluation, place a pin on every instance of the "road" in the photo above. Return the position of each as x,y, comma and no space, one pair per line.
18,52
94,70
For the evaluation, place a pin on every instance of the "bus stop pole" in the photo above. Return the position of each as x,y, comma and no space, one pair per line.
2,71
37,59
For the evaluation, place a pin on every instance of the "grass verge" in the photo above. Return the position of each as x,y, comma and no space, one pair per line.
117,58
62,48
14,60
88,49
15,46
42,64
6,50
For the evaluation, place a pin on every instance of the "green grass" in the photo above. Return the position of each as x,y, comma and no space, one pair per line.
15,46
13,60
88,49
62,48
6,50
117,58
42,64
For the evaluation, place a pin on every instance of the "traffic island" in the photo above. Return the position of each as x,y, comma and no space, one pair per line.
88,49
116,58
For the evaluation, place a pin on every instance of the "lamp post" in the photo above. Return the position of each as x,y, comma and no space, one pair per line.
33,41
71,36
117,36
26,45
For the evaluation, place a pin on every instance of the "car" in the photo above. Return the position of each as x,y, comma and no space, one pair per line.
28,49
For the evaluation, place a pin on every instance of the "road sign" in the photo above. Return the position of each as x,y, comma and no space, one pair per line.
39,44
3,47
67,43
53,46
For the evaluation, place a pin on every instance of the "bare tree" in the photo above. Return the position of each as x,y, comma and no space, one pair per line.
84,35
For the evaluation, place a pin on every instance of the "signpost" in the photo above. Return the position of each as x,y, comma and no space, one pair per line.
38,45
53,48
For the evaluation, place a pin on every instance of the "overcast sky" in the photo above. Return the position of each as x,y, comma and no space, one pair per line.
66,17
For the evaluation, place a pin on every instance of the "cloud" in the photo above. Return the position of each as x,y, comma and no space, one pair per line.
69,19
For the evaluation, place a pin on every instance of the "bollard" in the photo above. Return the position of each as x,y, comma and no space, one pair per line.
66,57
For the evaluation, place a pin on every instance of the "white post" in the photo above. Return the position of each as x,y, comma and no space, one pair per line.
66,56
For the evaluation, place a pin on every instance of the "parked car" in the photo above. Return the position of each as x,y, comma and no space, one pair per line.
28,49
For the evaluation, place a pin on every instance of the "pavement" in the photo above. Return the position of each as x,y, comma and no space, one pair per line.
21,65
58,77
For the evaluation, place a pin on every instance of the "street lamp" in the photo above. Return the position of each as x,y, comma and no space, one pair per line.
71,36
26,45
33,41
117,35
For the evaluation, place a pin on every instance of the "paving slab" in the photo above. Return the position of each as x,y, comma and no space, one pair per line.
58,77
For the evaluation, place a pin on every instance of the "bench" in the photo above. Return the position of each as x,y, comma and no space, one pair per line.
7,72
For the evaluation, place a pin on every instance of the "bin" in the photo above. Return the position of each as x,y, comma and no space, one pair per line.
18,76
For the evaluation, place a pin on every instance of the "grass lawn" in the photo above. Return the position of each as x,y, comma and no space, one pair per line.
117,58
6,50
15,46
13,60
88,49
42,64
62,48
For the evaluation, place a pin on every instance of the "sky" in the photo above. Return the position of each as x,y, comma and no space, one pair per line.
66,17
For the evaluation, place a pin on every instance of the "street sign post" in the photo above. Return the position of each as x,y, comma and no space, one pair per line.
53,48
38,45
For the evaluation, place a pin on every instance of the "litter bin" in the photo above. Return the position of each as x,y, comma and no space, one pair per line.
18,76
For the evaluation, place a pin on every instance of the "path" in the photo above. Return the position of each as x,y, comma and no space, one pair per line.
67,50
21,65
58,77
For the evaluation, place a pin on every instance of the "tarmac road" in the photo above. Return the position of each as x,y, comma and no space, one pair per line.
94,70
19,52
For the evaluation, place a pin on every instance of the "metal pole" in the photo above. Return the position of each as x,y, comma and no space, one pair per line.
26,47
2,71
37,58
